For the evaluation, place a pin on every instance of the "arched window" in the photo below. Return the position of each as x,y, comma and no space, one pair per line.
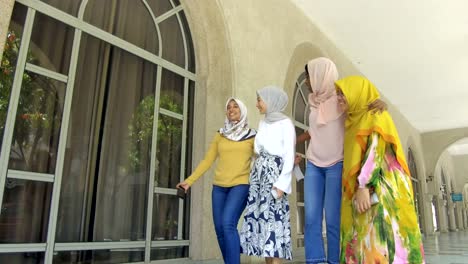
95,128
301,122
416,187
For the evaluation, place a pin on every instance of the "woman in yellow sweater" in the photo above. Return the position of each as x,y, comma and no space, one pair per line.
233,145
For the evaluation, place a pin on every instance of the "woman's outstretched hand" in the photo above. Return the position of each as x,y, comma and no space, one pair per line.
183,185
362,200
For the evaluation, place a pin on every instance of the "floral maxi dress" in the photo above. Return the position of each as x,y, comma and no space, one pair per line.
389,231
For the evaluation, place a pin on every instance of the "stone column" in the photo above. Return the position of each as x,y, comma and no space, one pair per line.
428,224
460,211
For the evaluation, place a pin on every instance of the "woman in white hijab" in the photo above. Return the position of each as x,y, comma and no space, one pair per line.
266,231
232,145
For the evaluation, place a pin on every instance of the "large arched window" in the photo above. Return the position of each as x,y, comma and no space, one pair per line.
94,120
301,122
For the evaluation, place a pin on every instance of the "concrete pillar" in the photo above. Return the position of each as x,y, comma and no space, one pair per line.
443,216
428,224
460,210
452,224
466,218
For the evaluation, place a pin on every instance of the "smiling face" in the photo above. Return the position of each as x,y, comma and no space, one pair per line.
261,106
233,112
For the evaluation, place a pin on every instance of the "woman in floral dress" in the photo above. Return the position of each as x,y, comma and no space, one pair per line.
384,229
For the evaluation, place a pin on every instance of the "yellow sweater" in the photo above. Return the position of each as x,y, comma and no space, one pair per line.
234,161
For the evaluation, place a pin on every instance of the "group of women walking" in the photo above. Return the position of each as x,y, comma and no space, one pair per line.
356,174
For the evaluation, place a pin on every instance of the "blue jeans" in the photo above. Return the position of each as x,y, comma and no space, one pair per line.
228,204
322,191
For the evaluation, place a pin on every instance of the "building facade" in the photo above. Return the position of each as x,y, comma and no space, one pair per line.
106,105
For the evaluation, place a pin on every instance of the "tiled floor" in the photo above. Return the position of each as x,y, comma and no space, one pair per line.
447,248
444,248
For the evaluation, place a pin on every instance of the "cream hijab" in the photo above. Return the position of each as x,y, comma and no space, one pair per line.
237,131
276,101
323,99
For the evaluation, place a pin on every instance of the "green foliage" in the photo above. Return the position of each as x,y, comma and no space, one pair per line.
141,128
7,69
39,110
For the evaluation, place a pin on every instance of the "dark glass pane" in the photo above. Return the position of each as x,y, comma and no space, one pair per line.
126,19
25,211
301,217
18,17
301,148
176,2
172,92
301,77
51,44
306,92
37,127
300,191
22,258
165,217
159,7
188,152
190,124
188,37
108,155
169,253
8,63
168,152
299,108
69,6
307,113
106,256
172,41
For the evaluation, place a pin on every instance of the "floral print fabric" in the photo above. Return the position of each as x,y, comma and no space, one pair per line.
266,230
389,231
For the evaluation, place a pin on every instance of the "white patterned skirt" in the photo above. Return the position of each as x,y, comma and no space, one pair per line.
266,230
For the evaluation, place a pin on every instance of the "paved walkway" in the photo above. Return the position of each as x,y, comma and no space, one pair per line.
444,248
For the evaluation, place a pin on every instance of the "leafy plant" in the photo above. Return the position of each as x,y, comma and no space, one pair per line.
39,110
141,127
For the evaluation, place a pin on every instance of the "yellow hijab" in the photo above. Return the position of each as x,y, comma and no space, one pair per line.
360,124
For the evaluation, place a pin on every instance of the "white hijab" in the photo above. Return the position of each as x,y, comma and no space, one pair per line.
276,101
237,131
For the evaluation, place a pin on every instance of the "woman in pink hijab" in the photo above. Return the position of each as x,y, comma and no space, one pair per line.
322,182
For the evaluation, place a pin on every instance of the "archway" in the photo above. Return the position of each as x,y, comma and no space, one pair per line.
418,203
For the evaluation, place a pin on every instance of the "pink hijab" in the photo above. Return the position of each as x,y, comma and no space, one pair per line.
323,99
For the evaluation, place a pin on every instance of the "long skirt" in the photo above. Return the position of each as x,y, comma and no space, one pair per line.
266,230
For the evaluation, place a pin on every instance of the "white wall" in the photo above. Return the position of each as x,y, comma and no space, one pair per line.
262,42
